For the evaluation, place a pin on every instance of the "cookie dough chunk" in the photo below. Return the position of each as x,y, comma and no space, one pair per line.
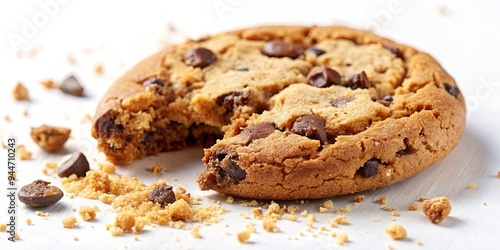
303,112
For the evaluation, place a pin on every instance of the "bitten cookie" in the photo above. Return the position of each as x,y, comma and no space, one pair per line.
303,112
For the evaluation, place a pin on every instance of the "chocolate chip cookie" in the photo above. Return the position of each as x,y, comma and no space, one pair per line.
301,112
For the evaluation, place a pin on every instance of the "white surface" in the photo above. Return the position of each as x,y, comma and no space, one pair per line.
464,39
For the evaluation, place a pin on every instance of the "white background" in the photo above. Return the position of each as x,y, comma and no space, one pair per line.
462,35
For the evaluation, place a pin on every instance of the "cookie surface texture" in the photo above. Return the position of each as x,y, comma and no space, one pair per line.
287,112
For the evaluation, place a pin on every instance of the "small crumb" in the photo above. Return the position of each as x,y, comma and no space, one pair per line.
440,9
4,146
98,69
290,217
334,234
359,198
382,200
422,199
28,221
136,238
115,231
24,154
245,215
26,112
341,220
484,203
257,213
38,213
20,92
3,227
69,222
269,224
75,238
87,213
304,213
342,238
86,118
436,209
389,209
157,169
332,223
230,200
418,243
389,247
196,232
345,209
17,237
49,84
472,185
498,174
413,207
395,213
376,220
7,119
396,231
310,220
107,167
243,236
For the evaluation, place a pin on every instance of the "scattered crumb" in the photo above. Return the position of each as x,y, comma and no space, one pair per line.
20,92
25,112
395,213
422,199
310,220
484,203
325,206
28,221
196,232
244,235
440,9
334,234
157,169
389,247
472,185
7,119
436,209
106,167
396,231
418,243
389,209
86,117
245,215
376,220
49,84
4,146
49,166
413,207
75,238
24,154
359,198
257,213
38,213
230,200
17,237
345,209
87,213
98,69
115,231
341,220
498,174
382,200
69,222
342,238
136,238
269,224
291,217
304,213
3,227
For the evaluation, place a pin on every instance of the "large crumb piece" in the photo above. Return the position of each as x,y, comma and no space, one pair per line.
24,154
125,220
342,238
196,232
269,224
436,209
50,138
87,213
244,236
69,222
396,231
20,93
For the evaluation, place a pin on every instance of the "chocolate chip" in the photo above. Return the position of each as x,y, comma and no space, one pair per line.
280,48
106,125
386,101
242,69
454,91
230,167
40,194
317,52
71,86
310,126
75,163
369,169
256,131
360,81
394,49
200,57
162,195
341,102
232,100
151,81
323,77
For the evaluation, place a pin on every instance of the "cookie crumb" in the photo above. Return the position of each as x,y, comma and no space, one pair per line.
436,209
230,200
498,174
382,200
3,227
257,213
75,238
376,220
418,243
359,198
472,185
304,213
395,213
325,206
69,222
98,69
87,213
7,119
195,232
342,238
38,213
341,220
269,224
243,236
310,220
20,92
389,209
345,209
157,169
413,207
24,154
115,231
136,238
107,167
28,221
396,231
49,84
290,217
484,203
17,237
389,247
